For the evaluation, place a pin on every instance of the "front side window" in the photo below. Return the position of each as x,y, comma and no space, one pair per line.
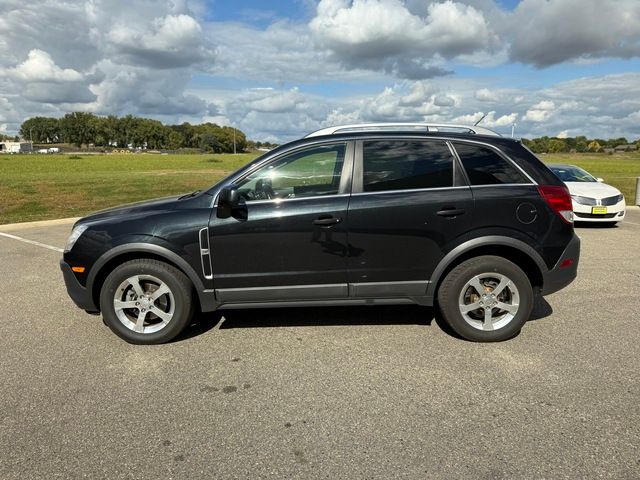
485,167
305,173
406,164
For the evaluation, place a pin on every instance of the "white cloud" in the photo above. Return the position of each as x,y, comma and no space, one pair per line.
103,56
8,113
385,59
339,117
536,115
449,28
544,105
444,100
546,32
277,102
486,95
540,112
39,79
386,35
40,67
127,89
282,52
489,121
382,34
582,107
420,93
166,42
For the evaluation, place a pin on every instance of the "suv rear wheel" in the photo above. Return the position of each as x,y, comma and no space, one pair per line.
146,301
486,299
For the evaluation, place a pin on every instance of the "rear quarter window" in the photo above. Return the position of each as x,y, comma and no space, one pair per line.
484,166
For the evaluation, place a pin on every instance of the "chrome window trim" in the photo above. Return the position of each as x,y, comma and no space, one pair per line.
458,165
281,200
504,185
358,168
410,190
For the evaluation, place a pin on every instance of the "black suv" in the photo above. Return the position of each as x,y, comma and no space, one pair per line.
456,217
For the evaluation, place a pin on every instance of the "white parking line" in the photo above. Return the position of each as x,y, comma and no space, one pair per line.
632,223
32,242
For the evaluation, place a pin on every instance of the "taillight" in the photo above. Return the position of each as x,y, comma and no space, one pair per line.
559,200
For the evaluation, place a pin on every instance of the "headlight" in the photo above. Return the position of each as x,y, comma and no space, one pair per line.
620,198
75,235
583,200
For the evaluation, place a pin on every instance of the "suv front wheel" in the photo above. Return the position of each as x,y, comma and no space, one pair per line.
146,301
486,299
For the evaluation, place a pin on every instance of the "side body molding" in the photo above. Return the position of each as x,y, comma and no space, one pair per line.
207,297
490,240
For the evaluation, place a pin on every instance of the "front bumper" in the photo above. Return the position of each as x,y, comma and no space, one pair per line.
79,294
560,276
615,213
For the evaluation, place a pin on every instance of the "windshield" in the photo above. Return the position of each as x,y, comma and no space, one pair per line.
570,173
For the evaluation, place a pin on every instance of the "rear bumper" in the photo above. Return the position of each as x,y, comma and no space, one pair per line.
560,276
79,294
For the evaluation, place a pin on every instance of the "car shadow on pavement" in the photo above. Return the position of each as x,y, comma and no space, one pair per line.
201,323
327,316
331,316
595,226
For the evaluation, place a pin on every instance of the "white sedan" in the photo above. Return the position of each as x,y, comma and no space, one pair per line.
593,201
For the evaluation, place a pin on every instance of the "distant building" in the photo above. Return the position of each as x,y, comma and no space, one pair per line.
15,147
608,150
626,148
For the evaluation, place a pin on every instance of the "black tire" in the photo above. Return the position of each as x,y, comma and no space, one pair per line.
455,288
176,305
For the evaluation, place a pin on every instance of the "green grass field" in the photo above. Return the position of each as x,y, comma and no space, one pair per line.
40,187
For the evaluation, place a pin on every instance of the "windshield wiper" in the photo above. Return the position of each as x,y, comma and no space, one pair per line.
189,195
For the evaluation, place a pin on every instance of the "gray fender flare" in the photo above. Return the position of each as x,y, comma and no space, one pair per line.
490,240
207,297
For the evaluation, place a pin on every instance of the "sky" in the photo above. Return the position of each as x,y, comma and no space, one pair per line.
280,69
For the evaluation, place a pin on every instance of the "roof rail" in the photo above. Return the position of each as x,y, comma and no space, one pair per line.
385,127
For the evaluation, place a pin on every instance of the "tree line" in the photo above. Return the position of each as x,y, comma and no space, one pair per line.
578,144
84,129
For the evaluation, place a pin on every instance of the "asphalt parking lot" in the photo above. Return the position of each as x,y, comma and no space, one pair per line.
378,392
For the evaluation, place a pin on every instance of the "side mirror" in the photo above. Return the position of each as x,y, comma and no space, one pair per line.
228,197
228,201
600,179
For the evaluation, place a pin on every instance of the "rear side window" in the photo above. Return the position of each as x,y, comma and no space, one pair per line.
402,165
485,167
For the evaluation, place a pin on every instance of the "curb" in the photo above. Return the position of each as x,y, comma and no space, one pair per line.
40,223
